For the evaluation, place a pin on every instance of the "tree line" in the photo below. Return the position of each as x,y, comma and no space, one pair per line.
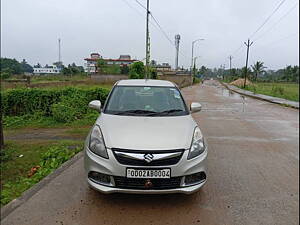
256,72
10,67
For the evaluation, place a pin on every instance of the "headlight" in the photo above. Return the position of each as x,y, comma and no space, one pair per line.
97,144
198,145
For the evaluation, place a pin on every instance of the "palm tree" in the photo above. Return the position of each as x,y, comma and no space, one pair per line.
258,68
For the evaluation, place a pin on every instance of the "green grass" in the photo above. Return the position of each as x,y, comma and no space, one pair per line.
288,91
37,121
56,78
18,158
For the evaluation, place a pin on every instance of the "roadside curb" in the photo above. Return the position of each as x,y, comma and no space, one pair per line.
279,101
14,204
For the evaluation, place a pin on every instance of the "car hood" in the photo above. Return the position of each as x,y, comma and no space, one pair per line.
147,133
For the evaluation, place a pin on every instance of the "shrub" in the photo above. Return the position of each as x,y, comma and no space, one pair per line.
196,80
17,102
137,70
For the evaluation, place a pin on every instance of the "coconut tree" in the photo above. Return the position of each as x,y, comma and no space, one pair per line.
258,68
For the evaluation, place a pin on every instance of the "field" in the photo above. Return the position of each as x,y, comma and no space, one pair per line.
52,81
288,91
43,128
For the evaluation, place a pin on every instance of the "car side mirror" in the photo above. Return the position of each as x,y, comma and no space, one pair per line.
96,104
196,107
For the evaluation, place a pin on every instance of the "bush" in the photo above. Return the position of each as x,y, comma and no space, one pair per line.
17,102
196,80
137,70
71,107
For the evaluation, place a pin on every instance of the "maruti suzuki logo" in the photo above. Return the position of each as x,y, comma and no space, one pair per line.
148,158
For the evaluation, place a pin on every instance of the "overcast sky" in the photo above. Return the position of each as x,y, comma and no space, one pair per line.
30,29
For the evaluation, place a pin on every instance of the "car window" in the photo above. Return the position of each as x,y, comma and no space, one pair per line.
143,100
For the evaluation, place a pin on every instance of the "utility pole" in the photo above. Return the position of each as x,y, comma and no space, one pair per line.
147,42
177,40
230,58
248,44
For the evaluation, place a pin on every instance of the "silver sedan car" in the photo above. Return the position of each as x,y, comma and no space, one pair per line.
145,141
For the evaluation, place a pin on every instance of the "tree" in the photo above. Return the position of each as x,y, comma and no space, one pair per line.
26,68
243,72
11,66
137,70
291,74
258,68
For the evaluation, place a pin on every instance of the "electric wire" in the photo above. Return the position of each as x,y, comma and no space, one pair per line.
278,21
268,18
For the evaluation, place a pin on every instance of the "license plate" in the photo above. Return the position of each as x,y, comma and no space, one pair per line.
148,173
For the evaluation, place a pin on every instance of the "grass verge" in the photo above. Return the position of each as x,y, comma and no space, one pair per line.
24,164
289,91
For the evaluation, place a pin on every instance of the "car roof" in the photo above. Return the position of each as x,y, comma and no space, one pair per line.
145,82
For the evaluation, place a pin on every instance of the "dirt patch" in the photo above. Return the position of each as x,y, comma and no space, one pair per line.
240,82
44,134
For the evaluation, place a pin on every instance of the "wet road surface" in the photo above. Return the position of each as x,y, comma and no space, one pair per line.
253,174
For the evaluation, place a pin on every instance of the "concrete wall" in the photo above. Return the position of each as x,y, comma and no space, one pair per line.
182,80
108,79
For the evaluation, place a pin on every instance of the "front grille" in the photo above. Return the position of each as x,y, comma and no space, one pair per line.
139,183
136,162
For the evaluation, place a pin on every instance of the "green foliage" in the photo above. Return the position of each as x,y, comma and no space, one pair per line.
291,74
288,91
104,68
17,102
72,69
153,73
11,66
196,80
26,67
124,69
4,75
50,160
257,69
137,70
71,107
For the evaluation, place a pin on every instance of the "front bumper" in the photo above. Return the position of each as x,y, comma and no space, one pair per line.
112,167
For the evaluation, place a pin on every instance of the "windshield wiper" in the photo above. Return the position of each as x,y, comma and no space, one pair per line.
134,112
168,112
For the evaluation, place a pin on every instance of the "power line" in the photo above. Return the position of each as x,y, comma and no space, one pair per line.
280,19
162,30
283,38
141,5
268,18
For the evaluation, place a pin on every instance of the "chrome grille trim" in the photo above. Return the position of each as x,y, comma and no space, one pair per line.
140,156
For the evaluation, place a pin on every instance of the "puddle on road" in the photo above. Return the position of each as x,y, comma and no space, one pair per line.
227,93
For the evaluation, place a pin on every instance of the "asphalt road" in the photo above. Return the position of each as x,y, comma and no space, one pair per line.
253,174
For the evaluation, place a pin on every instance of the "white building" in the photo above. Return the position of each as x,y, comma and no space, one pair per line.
47,70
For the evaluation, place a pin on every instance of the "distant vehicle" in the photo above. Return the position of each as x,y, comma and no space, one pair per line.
211,78
145,141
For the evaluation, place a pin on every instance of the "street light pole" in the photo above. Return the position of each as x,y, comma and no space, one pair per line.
193,43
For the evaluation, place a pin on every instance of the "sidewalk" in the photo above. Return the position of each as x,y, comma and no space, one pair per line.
267,98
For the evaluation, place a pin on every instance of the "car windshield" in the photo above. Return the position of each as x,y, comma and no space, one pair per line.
146,101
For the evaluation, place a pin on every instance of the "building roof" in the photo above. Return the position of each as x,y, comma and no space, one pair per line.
112,60
144,82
